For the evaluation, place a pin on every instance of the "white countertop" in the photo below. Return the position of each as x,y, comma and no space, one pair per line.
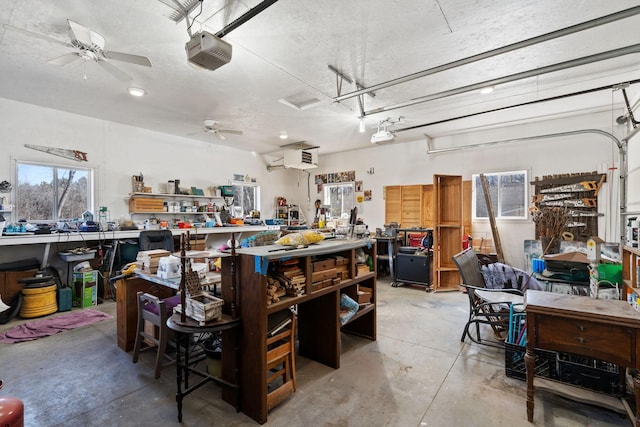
322,247
29,239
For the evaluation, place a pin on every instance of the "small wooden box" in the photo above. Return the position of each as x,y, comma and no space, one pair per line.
323,274
325,264
146,204
364,295
204,307
362,269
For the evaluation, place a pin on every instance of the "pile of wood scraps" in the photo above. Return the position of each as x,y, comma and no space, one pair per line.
289,274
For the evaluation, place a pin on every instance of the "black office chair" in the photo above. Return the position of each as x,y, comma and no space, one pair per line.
156,239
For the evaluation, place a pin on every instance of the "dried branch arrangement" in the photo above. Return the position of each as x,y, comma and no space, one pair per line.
551,222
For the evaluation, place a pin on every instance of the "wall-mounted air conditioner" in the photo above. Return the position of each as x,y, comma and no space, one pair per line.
300,159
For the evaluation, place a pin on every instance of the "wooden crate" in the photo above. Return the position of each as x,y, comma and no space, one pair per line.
146,204
204,307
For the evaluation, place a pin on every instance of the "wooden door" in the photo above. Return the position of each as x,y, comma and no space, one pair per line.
411,206
393,204
428,220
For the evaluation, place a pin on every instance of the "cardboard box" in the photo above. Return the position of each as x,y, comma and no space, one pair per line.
85,288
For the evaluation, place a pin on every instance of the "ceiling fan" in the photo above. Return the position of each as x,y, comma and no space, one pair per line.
89,45
210,126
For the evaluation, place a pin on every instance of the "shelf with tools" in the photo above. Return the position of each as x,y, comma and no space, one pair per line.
574,194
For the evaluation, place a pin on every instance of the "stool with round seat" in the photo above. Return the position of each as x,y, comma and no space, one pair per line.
11,411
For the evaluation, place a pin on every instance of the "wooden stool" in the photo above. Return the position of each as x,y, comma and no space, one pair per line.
281,364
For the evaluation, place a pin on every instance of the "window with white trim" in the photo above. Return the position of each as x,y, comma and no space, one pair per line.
246,198
508,192
51,193
341,199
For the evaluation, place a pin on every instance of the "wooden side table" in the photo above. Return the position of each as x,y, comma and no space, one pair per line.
602,329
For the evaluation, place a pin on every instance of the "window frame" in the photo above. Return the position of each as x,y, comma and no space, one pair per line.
498,215
257,190
91,188
326,197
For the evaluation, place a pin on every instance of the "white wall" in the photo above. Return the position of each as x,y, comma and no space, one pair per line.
117,152
410,164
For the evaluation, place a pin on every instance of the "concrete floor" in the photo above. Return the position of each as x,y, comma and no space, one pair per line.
416,374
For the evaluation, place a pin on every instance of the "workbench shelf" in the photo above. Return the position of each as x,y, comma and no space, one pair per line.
319,327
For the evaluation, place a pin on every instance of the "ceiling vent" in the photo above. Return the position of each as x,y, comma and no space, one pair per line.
300,159
208,51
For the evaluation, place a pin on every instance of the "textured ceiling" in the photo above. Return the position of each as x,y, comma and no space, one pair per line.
285,51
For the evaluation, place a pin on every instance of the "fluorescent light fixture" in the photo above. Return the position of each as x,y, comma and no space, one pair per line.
361,127
486,90
283,135
136,91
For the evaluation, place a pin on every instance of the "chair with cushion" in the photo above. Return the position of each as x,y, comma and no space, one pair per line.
281,367
153,312
486,306
156,239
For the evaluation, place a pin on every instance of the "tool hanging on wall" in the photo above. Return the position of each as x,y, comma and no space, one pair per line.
79,156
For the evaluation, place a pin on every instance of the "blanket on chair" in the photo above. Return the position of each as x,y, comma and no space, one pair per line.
503,276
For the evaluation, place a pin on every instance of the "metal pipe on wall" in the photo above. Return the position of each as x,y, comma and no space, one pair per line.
626,13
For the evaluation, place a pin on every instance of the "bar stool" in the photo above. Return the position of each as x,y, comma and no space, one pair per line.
281,367
156,311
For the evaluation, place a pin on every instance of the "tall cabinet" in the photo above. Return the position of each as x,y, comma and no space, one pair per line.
444,206
448,207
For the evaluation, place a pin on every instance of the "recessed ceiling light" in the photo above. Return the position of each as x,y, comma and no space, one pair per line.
283,135
136,91
486,90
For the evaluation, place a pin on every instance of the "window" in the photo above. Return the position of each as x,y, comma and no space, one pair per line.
246,198
51,193
508,192
340,198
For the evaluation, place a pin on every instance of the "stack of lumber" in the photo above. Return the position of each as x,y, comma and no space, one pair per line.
291,276
147,261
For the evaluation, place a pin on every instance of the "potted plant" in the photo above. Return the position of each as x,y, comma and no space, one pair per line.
550,224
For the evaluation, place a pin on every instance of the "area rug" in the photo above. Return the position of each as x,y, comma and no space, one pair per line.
45,327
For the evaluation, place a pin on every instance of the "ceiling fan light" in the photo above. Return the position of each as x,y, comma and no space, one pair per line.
136,91
283,135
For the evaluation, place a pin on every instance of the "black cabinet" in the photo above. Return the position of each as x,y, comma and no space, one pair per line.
414,269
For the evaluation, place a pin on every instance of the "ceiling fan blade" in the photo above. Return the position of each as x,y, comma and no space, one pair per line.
114,71
127,57
230,131
81,33
220,136
64,59
36,35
